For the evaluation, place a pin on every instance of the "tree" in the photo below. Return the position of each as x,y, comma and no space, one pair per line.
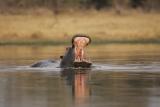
99,4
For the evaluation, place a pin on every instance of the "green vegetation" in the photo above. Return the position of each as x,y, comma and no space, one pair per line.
94,42
32,42
60,5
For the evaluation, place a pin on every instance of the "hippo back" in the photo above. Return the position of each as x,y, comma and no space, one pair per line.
44,63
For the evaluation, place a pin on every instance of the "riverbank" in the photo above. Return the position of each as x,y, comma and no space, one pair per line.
94,42
103,27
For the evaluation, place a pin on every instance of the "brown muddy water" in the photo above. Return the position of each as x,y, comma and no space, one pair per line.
121,76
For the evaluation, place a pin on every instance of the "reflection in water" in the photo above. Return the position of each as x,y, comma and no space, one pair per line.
125,89
29,89
36,89
78,79
71,89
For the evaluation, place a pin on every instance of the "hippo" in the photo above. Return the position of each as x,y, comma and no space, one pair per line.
74,55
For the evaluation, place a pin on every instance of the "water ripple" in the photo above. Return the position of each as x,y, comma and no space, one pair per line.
153,67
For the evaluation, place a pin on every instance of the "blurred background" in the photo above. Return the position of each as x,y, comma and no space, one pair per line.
56,21
13,6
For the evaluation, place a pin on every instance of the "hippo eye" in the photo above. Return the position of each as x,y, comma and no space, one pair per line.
61,57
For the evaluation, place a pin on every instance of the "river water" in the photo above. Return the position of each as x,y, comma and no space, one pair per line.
121,76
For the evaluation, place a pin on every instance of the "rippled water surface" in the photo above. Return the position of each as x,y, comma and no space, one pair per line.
121,76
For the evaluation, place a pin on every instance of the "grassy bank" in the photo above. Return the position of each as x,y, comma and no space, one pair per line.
103,27
94,42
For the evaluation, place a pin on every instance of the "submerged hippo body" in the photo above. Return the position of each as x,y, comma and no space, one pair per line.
66,61
44,63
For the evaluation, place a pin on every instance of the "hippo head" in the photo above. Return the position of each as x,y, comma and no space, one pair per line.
79,42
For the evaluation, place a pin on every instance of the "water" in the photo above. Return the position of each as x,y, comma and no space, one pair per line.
121,76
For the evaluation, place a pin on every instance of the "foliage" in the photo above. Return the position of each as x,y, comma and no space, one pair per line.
97,4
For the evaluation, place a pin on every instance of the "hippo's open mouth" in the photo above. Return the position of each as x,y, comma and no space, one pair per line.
80,42
75,55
